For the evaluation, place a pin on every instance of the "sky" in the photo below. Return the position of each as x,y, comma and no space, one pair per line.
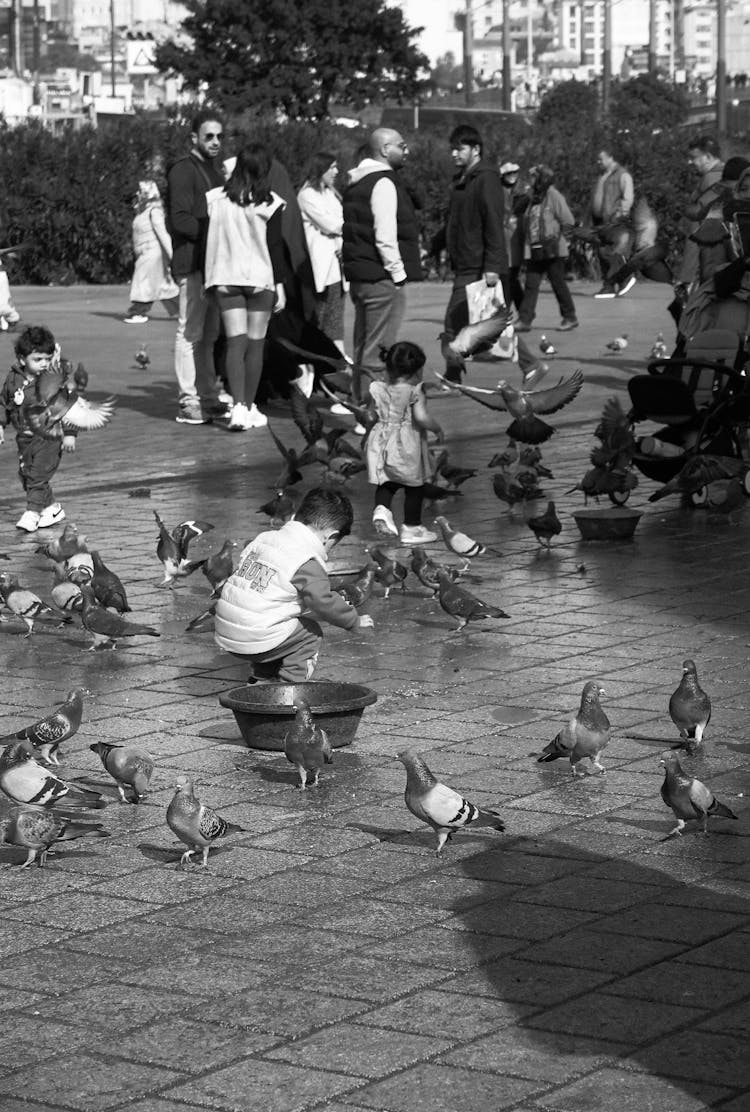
436,16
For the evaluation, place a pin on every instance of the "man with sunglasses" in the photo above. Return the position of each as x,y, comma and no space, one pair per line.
188,181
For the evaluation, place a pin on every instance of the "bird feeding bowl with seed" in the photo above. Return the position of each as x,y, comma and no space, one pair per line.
610,523
265,711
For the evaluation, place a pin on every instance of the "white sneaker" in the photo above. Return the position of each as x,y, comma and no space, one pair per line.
135,318
224,399
340,410
239,417
305,380
382,519
627,285
28,521
416,534
51,515
256,419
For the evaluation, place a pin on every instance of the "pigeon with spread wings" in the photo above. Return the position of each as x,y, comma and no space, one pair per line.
525,405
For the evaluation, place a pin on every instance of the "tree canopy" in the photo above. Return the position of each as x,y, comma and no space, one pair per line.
294,57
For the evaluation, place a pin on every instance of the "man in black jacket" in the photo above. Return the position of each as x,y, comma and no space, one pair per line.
188,182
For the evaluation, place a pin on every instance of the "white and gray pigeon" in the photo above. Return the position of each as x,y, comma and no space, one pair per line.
439,806
25,781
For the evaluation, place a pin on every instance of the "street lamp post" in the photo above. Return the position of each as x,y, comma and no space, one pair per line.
607,56
721,67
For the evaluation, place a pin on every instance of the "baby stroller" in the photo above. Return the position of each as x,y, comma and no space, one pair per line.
701,403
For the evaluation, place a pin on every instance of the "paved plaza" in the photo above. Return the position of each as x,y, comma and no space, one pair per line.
327,959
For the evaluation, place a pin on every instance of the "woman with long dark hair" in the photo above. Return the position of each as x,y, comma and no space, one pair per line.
323,220
244,264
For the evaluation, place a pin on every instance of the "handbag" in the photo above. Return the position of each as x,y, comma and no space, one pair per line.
484,301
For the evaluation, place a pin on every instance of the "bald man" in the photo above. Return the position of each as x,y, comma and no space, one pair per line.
380,252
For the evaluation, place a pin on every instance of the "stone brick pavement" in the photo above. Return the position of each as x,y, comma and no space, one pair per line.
326,959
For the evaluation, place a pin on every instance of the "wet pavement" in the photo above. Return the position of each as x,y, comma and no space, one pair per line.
327,959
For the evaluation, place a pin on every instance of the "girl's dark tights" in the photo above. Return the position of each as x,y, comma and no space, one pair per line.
413,499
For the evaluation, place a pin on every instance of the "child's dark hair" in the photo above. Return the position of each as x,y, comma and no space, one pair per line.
326,509
403,360
34,338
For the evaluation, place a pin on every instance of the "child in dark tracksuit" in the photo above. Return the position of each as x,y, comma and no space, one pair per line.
39,453
263,615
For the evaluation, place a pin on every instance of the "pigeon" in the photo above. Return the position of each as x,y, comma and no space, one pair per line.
618,344
724,496
615,432
359,591
142,357
534,373
306,745
105,627
526,405
293,461
530,459
280,509
107,587
545,526
25,604
462,604
454,476
25,781
79,568
480,336
218,567
585,735
602,480
460,543
199,619
56,401
426,569
507,489
37,831
390,572
63,547
697,472
305,415
689,705
66,595
546,346
505,459
172,548
47,735
689,798
128,767
439,806
195,824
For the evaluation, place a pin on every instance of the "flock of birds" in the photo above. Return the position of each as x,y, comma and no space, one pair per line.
46,808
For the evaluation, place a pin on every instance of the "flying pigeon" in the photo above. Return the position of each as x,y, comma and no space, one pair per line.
107,587
439,806
390,572
306,745
585,735
129,768
294,461
619,343
37,831
688,798
25,781
56,401
25,604
689,705
195,824
426,569
47,735
545,526
105,627
460,543
526,405
546,346
172,548
142,357
480,336
461,604
697,472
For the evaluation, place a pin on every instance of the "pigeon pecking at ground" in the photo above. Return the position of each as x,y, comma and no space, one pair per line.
439,806
128,767
585,735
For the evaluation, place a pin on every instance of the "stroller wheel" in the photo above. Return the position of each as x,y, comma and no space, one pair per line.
699,497
619,497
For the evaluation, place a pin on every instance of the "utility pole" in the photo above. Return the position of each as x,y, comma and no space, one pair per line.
468,44
721,67
652,37
607,56
678,33
112,45
36,51
507,79
529,39
15,36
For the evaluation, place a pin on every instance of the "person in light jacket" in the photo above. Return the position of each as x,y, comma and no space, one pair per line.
243,268
152,248
323,220
546,221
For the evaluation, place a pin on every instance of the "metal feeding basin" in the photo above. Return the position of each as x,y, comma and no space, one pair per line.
265,711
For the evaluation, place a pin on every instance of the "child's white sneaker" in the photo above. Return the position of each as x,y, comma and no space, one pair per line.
416,534
51,515
28,521
382,519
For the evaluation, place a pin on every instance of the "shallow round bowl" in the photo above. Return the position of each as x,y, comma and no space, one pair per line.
265,711
610,523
